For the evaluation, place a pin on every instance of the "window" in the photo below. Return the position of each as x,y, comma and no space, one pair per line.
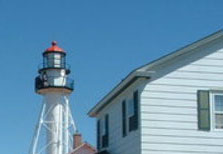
130,114
203,110
98,134
124,118
210,110
217,109
133,112
130,108
105,131
102,127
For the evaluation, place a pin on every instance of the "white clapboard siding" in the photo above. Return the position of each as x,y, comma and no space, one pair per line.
169,117
189,82
117,143
152,151
169,109
171,88
169,123
169,95
179,133
210,61
192,148
195,75
218,54
150,138
169,102
202,68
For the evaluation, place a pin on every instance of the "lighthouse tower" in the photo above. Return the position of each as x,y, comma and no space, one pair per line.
55,128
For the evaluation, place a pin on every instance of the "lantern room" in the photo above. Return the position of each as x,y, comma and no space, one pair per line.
54,58
53,72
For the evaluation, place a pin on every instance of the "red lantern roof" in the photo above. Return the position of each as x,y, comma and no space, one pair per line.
54,48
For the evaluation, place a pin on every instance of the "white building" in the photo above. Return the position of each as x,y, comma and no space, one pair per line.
173,105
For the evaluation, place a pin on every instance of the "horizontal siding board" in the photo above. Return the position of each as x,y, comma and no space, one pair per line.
164,109
170,88
204,68
170,91
155,151
189,82
203,87
165,117
183,133
181,140
152,151
215,55
169,124
168,102
194,75
209,61
184,148
166,94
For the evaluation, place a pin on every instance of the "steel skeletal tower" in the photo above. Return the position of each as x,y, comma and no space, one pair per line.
55,128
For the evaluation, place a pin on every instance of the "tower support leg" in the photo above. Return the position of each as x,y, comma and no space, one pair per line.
54,127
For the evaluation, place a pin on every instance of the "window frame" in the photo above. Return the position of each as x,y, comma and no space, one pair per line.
104,132
99,134
124,118
133,119
130,101
212,110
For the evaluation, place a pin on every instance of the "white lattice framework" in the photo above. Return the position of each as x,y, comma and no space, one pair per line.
55,128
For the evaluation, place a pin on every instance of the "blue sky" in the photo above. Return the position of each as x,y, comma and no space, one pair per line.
104,40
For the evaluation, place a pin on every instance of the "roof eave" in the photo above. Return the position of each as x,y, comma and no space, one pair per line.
132,77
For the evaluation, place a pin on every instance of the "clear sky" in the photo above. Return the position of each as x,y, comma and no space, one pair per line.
104,40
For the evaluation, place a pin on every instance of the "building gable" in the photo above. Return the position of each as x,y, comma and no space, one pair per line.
152,68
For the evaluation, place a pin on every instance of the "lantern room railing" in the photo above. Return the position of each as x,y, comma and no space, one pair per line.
44,66
53,82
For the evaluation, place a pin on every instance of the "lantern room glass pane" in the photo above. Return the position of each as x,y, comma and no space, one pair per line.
54,60
57,60
50,60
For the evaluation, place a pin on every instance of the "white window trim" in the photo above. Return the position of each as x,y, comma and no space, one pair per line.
212,111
